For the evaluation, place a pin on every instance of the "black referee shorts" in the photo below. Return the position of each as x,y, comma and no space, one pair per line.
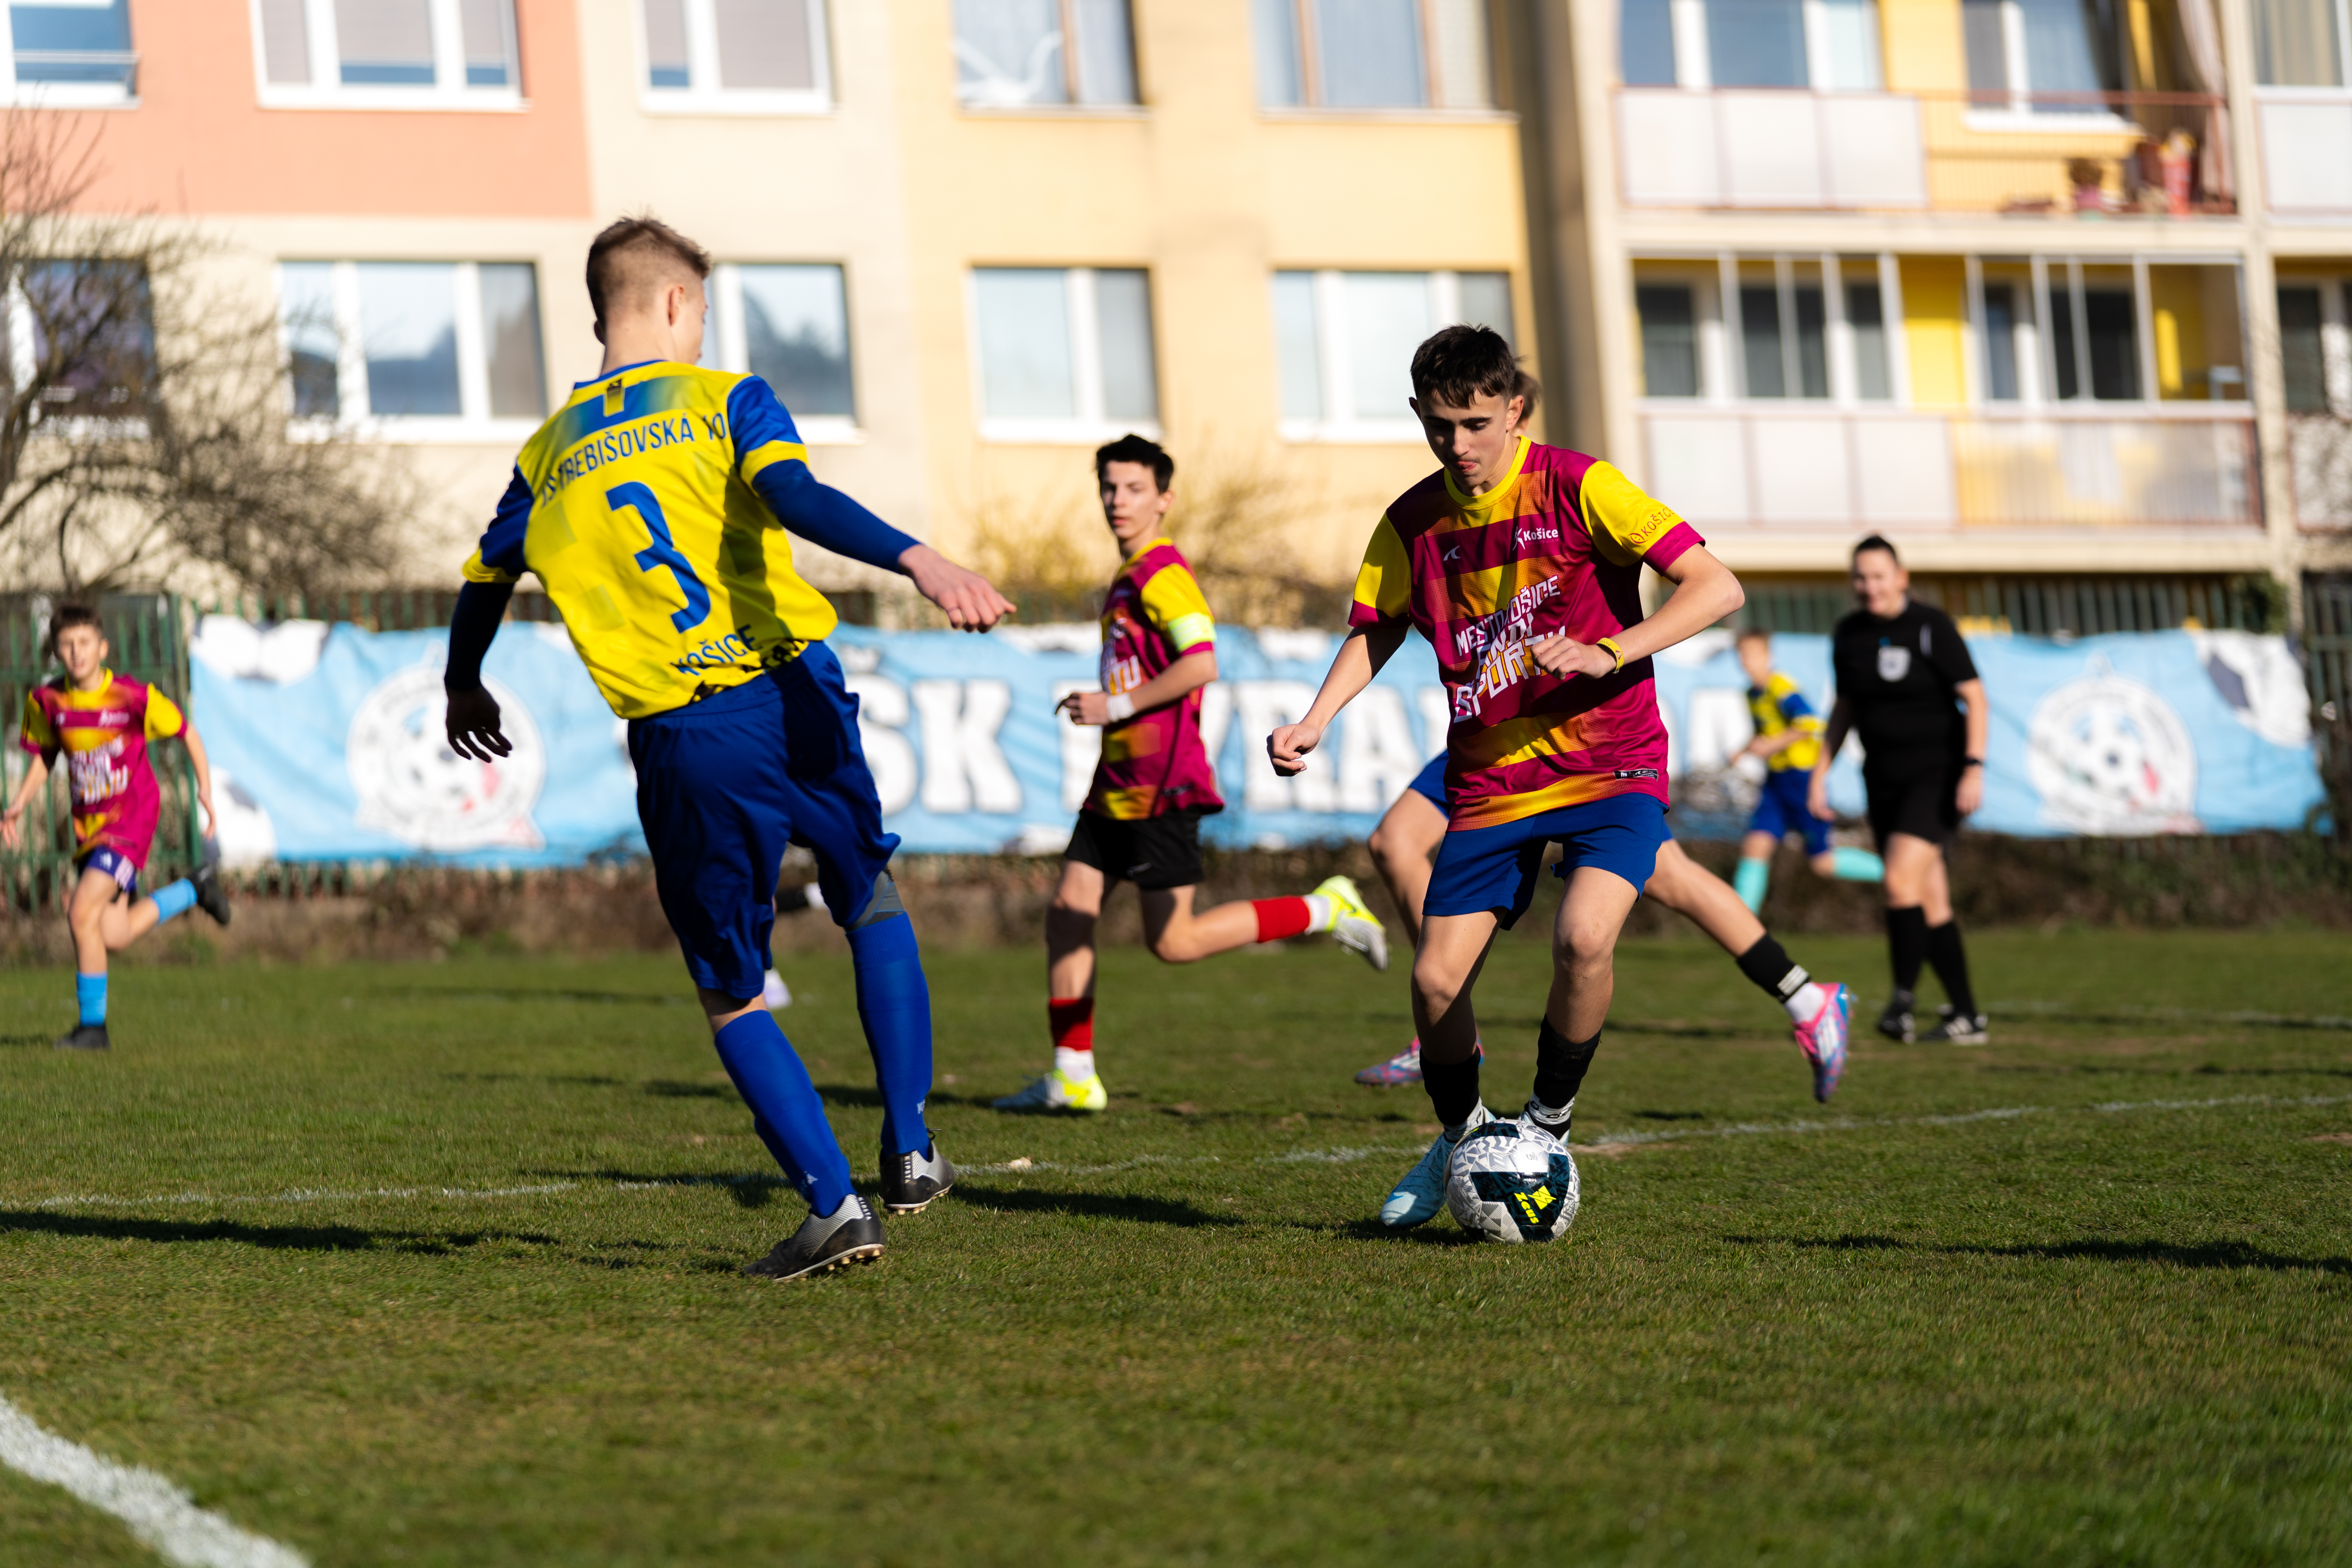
1921,801
1155,853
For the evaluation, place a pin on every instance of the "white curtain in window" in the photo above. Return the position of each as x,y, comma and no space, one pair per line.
385,40
1106,54
2295,43
1025,342
1849,30
1274,35
1130,380
764,43
1369,52
1009,52
1299,346
1457,33
1388,315
2201,35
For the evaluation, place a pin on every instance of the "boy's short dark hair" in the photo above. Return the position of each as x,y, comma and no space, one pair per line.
72,613
1753,634
636,253
1134,448
1461,364
1876,541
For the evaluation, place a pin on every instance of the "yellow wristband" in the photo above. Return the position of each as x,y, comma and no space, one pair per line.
1614,651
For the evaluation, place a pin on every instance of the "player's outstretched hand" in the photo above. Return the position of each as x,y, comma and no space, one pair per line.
12,827
1562,655
473,726
1817,798
970,600
1085,708
1287,747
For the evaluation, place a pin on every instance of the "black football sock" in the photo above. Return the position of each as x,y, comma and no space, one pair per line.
1952,962
1769,966
1560,1066
1907,945
1453,1087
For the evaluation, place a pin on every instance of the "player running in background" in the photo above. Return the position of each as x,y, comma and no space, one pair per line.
102,724
1521,565
1410,833
1907,685
650,507
1155,781
1789,739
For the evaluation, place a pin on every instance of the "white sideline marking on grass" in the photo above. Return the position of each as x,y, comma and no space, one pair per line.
159,1513
1339,1157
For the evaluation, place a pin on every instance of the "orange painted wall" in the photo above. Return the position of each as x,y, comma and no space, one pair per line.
200,143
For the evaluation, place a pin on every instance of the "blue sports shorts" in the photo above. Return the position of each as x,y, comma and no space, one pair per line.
110,862
726,784
1430,783
1780,809
1483,869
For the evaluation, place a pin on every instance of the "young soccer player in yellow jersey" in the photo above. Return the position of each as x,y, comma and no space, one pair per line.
1789,739
1521,565
653,506
1141,820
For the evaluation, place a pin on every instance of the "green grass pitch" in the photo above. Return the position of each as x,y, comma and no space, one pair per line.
436,1264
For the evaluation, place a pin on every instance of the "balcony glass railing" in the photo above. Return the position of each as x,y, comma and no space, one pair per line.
1744,466
2087,154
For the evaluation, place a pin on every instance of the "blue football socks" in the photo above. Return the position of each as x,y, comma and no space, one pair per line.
89,993
785,1108
177,898
1750,881
1853,865
893,1003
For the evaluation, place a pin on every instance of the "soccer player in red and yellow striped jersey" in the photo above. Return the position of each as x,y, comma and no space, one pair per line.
1521,565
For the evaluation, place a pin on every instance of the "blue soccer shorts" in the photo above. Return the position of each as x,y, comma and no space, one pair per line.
1493,870
1781,810
109,861
1430,783
725,784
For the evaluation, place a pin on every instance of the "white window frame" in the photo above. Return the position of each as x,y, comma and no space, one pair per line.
1071,105
327,89
1715,283
2343,68
1694,67
473,426
729,349
1090,426
2335,332
703,95
2020,114
2037,353
60,94
1310,78
1337,367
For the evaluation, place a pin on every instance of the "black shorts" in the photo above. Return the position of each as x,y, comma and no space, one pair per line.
1921,801
1154,852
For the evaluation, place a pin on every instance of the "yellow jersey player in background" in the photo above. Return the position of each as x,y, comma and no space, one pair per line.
653,507
1789,739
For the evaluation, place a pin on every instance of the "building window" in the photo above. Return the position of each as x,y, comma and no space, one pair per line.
1344,344
387,54
1063,355
1771,327
83,331
2300,43
2066,331
420,350
788,325
1828,45
74,54
2046,57
740,57
1022,54
1372,54
1669,340
2303,354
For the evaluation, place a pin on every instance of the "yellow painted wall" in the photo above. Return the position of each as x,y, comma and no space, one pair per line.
1922,41
1935,312
2196,322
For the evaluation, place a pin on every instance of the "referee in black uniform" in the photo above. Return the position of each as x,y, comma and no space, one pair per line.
1903,679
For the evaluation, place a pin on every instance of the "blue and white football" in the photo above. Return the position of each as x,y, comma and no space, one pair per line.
1512,1181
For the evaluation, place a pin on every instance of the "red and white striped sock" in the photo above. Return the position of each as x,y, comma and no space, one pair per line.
1072,1022
1279,918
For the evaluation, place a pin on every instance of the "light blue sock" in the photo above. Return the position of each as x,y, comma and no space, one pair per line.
786,1112
176,900
1750,880
1848,863
89,991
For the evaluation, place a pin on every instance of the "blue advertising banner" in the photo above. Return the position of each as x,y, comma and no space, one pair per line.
329,740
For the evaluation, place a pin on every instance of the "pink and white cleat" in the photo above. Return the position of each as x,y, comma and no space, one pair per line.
1822,1040
1401,1068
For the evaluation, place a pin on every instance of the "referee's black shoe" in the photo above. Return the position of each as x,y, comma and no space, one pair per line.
1959,1029
1896,1023
823,1243
909,1182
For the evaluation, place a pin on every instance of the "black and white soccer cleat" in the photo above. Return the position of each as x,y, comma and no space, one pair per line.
1896,1023
823,1243
211,897
85,1038
909,1182
1958,1029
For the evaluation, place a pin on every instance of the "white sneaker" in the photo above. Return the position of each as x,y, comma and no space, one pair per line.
1422,1194
1056,1091
1357,929
776,992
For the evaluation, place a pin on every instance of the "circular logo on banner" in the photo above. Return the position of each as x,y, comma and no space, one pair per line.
2109,757
413,786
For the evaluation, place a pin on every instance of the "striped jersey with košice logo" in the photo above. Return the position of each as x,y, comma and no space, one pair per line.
1557,546
638,508
103,736
1154,762
1778,707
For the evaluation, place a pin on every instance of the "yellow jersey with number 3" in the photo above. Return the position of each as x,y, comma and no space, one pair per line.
639,507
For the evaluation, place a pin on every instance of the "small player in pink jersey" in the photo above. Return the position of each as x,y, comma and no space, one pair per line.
102,723
1522,564
1141,820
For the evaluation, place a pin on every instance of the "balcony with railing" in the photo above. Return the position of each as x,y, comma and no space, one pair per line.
2040,153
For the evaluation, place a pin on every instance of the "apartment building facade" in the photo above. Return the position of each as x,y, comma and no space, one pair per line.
968,240
2051,291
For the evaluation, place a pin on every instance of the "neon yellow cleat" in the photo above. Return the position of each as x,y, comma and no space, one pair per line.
1057,1092
1357,929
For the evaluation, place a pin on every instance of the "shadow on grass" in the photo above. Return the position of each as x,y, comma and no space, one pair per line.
865,1095
749,1190
476,993
1092,1205
679,1088
27,1040
2210,1255
293,1237
1373,1230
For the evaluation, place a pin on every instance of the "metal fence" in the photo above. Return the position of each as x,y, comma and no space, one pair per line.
2038,607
